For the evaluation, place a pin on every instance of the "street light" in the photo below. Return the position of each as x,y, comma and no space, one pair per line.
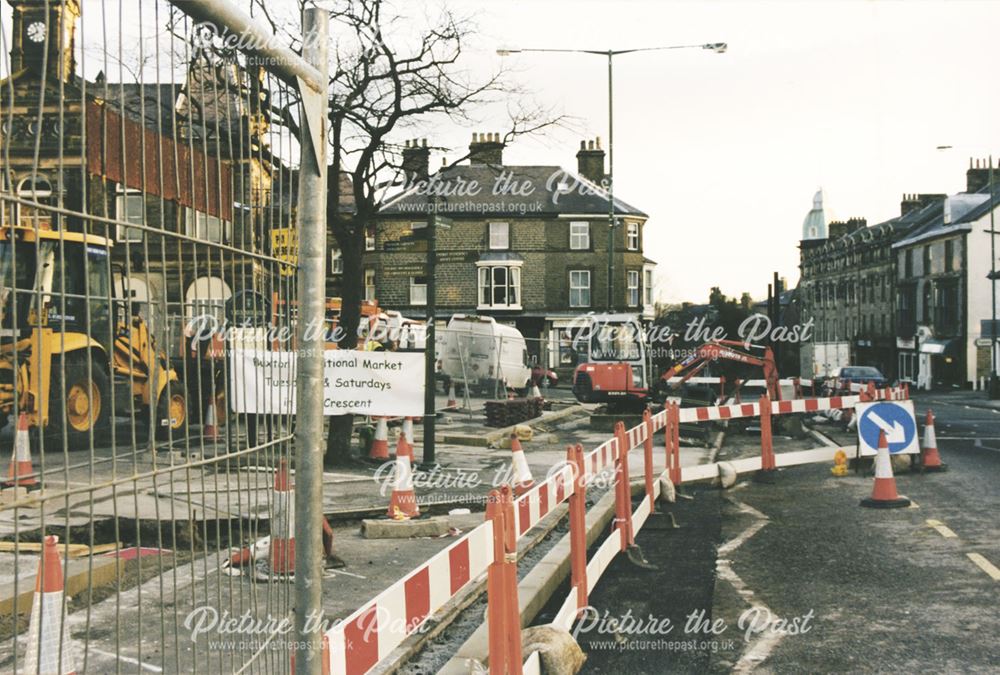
716,47
994,390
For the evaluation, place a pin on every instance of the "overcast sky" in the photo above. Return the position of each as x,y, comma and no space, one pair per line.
725,151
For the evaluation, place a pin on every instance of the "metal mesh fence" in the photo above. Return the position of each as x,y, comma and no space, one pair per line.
149,174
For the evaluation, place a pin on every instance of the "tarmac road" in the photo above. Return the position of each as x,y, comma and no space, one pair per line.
859,590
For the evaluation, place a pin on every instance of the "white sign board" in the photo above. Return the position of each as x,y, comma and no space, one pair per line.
893,418
358,382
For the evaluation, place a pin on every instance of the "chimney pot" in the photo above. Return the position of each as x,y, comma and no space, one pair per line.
425,143
583,145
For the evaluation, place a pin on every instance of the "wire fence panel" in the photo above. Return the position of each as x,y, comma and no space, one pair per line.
147,229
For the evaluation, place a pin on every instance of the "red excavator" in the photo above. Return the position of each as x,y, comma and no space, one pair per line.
712,351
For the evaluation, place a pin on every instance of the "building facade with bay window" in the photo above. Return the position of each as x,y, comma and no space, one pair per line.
526,245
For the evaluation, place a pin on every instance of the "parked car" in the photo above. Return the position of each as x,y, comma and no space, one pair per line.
846,375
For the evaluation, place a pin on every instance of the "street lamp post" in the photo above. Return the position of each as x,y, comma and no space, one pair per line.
717,47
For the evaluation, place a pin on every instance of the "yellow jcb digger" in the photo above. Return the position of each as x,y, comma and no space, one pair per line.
63,354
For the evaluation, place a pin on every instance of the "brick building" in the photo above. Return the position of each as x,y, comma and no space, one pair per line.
527,245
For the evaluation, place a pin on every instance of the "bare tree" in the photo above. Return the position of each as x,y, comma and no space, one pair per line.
389,77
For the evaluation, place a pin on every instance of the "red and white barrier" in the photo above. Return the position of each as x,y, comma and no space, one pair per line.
367,636
370,634
282,554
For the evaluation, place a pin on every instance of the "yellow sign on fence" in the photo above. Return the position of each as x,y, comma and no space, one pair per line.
285,247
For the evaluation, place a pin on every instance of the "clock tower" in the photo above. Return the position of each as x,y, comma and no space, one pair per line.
44,29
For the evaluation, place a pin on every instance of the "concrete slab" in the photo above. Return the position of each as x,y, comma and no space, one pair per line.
405,529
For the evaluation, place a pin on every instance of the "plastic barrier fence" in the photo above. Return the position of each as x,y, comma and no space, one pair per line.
371,633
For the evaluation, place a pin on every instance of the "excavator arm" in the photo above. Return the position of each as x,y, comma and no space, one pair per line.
715,350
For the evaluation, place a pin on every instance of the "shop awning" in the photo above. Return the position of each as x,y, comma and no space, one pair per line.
932,346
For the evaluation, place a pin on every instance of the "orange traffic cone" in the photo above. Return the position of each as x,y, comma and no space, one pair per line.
49,648
929,458
408,431
283,523
452,401
403,502
380,445
210,430
522,473
884,495
21,472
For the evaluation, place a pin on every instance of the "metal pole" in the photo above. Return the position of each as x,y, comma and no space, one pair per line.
611,188
309,393
282,61
430,412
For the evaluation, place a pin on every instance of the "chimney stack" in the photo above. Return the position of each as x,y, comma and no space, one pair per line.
486,148
912,201
416,160
590,161
978,176
838,228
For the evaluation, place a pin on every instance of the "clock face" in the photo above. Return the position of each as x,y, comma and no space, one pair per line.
36,31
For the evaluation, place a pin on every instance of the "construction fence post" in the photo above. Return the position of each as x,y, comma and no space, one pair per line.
647,457
495,595
623,490
578,525
766,439
311,292
515,660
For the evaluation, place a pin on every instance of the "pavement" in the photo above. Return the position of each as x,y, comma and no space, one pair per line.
795,576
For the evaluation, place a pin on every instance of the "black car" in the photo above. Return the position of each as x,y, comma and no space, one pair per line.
861,375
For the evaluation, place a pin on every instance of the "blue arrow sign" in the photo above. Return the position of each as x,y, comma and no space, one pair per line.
894,419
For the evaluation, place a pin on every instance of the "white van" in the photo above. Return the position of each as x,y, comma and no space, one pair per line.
407,334
484,353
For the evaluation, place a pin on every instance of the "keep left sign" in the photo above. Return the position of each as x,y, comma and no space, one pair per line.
893,418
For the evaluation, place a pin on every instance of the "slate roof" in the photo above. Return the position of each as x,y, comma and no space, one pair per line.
540,190
932,224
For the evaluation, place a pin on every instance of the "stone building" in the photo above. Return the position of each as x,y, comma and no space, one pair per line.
847,286
189,158
527,245
943,292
